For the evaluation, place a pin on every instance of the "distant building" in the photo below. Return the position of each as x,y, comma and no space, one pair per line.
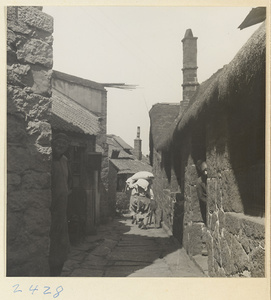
124,161
222,123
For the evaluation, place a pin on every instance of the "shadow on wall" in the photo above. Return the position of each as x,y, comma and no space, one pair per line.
247,152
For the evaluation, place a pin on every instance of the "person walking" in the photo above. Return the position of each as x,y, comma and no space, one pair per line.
145,195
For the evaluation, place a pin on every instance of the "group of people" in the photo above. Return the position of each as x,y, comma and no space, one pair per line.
142,201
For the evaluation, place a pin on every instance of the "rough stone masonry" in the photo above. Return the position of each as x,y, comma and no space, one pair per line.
29,70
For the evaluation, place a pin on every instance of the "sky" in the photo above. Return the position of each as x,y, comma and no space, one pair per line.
142,46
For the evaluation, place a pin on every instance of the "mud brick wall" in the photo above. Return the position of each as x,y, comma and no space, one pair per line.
29,69
235,241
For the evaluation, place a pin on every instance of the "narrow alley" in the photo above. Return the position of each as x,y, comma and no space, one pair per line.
120,249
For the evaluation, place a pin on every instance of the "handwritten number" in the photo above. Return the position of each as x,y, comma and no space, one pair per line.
59,289
16,289
47,288
33,290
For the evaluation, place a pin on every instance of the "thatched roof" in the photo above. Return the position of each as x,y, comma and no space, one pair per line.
236,80
255,16
208,86
162,116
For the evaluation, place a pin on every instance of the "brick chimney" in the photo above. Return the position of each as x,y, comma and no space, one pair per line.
190,80
137,145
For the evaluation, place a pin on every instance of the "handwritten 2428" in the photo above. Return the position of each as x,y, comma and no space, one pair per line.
46,290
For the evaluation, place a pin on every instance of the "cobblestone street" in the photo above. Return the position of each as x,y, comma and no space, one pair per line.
120,249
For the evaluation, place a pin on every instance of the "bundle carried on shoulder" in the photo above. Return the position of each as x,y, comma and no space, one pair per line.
142,175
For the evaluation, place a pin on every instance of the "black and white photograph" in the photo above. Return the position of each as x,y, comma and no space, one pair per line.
136,146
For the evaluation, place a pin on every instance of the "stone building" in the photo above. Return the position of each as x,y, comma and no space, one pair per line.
29,71
124,161
222,123
38,97
162,116
82,128
92,97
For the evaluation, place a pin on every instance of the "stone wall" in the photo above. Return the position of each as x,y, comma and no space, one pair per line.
29,64
235,241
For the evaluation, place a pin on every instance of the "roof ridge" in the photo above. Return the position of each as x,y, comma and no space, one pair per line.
78,80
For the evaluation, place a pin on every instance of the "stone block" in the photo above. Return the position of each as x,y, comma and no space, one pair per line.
221,273
16,132
36,18
15,224
195,239
221,219
45,136
18,159
19,75
195,206
233,223
11,56
253,227
35,51
14,24
209,245
37,222
36,78
217,251
11,38
187,190
258,262
41,81
212,194
245,243
19,201
238,255
36,180
226,260
13,179
214,221
12,13
28,105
